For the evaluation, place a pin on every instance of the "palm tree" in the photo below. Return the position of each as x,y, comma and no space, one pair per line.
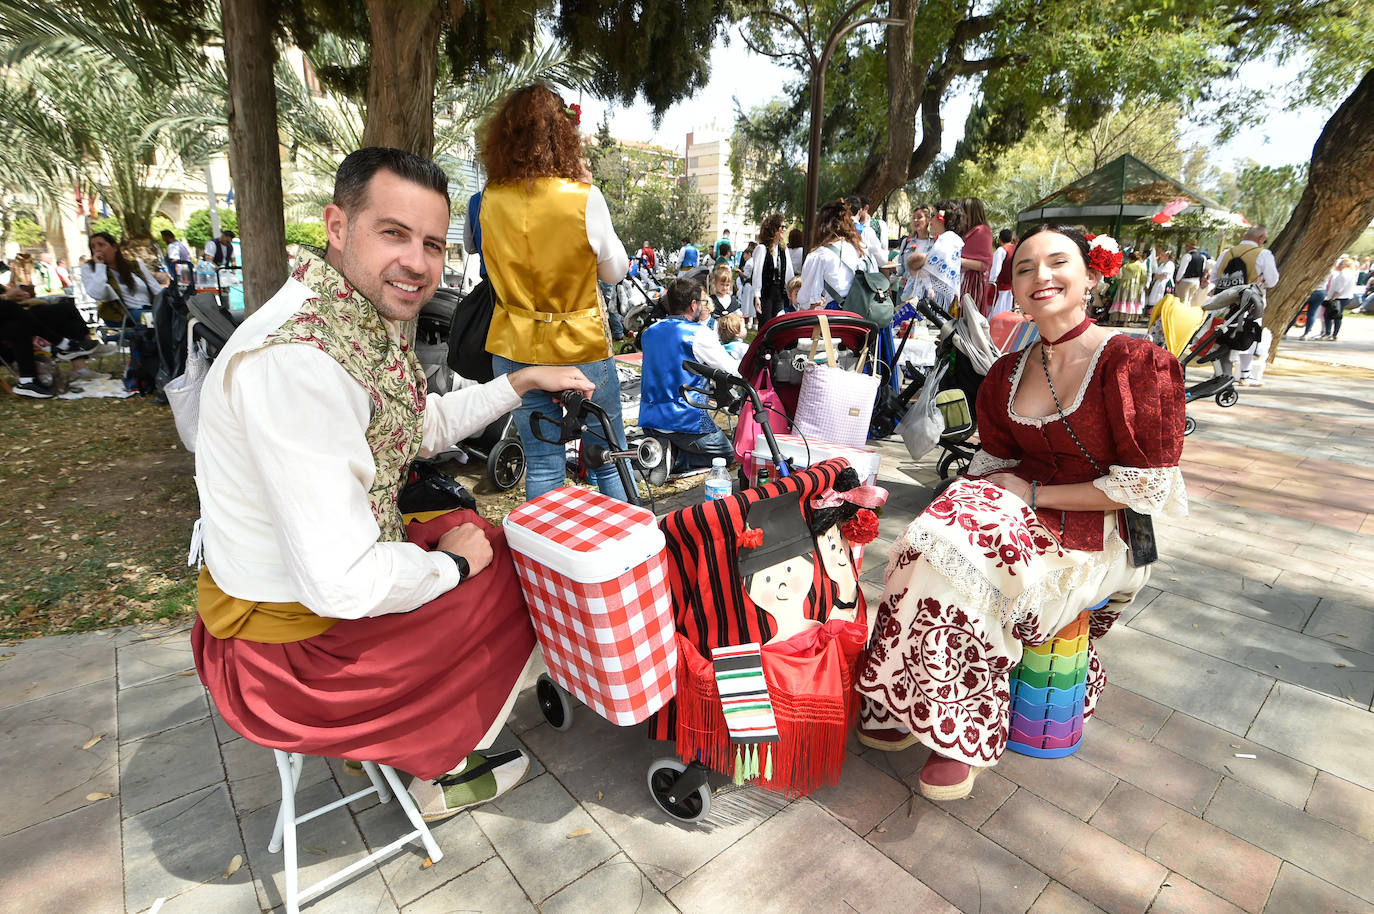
90,120
80,87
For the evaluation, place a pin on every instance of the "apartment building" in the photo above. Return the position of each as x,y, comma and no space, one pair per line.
707,152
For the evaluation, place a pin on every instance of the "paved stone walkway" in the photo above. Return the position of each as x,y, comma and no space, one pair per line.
1228,769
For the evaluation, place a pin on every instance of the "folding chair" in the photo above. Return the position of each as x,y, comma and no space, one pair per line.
116,318
384,784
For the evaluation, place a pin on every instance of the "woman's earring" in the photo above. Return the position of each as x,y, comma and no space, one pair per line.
1087,298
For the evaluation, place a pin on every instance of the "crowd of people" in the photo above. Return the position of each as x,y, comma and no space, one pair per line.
52,312
319,609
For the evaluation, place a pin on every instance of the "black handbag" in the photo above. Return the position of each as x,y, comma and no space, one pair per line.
467,334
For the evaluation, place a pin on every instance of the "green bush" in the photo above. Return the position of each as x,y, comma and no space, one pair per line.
198,226
311,233
26,233
110,225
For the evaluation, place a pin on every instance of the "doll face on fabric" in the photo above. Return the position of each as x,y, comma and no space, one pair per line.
781,591
833,550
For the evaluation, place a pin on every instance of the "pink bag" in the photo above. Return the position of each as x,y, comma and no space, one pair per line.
747,430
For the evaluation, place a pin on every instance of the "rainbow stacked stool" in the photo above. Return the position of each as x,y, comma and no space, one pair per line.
1047,693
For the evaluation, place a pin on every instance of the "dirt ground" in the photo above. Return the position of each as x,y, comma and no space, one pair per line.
97,501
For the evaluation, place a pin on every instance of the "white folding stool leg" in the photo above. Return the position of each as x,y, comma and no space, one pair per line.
383,791
289,770
407,802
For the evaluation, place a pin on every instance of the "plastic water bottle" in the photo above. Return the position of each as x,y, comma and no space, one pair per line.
718,482
206,280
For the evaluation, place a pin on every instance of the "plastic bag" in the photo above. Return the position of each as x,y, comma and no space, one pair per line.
183,395
923,423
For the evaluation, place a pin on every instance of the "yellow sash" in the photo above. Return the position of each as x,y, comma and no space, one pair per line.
267,623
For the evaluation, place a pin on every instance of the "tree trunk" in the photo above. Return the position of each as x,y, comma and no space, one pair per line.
886,171
400,83
254,153
1335,207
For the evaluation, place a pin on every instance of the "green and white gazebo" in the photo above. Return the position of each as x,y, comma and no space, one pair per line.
1123,192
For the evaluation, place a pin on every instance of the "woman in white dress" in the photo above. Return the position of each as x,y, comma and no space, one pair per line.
1159,279
938,271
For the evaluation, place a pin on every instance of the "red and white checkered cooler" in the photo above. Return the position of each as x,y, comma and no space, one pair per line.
595,575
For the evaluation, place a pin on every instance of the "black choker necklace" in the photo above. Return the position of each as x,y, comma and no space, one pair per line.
1047,346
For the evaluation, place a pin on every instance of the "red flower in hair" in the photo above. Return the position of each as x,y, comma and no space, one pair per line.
863,529
1104,254
575,114
750,538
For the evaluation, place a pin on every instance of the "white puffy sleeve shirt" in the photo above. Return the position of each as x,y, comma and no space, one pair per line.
301,528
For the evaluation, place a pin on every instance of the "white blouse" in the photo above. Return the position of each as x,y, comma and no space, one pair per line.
96,278
824,266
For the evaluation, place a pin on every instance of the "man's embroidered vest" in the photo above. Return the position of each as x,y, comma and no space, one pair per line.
347,327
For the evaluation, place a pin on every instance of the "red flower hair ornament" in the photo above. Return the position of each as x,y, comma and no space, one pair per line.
574,113
1104,255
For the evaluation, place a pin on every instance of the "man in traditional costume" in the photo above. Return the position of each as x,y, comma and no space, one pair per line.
321,629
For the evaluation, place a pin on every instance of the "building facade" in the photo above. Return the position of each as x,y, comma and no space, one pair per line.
707,153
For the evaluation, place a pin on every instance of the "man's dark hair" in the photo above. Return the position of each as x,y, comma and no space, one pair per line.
226,234
682,292
168,235
355,174
686,241
855,203
1004,236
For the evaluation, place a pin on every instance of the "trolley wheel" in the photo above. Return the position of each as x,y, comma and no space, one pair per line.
553,703
663,775
953,461
1228,397
506,463
1189,425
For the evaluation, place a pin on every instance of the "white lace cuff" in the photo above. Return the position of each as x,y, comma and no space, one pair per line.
984,463
1149,490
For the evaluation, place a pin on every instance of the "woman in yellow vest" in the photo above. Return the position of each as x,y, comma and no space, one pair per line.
546,239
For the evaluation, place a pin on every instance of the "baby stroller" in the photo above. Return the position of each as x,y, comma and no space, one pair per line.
791,622
964,354
761,590
1235,329
774,364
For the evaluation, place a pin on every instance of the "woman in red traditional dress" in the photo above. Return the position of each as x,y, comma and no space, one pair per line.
1073,429
977,256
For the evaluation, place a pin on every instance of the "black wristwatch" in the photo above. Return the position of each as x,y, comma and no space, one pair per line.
462,564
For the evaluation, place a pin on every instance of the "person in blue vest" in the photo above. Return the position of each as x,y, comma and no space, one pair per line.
690,436
688,257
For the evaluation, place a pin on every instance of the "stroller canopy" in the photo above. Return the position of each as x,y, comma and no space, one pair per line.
846,328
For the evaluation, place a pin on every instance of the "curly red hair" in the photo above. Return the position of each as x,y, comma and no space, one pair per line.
530,136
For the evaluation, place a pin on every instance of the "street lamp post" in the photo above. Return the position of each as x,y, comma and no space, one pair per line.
818,65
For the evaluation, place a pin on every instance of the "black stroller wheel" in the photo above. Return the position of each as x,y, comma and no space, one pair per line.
663,776
553,703
1227,397
506,463
952,464
1189,425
